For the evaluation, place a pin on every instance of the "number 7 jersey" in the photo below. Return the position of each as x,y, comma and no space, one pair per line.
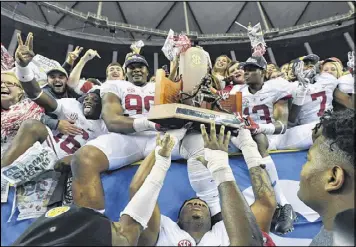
136,101
318,99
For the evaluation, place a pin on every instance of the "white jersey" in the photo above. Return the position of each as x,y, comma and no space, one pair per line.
135,100
259,106
71,109
318,99
236,88
171,234
347,84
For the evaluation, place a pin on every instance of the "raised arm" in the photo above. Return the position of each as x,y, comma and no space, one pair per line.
265,202
150,235
137,215
72,56
74,76
23,56
113,115
344,99
239,221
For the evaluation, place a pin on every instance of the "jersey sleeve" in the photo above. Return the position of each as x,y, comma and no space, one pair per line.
219,232
110,87
284,91
346,84
62,105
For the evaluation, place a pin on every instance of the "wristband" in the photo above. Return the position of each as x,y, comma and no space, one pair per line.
218,165
161,161
267,129
142,124
24,74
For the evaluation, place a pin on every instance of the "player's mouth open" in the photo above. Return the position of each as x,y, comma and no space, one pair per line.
58,85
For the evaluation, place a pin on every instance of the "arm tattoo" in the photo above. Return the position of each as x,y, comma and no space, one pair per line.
261,183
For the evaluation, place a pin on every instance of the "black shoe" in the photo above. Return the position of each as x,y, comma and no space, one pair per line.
285,220
275,217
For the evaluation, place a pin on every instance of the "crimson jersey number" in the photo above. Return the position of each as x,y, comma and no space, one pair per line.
266,114
321,95
71,140
135,102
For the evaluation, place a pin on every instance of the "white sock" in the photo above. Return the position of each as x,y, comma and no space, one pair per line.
273,175
203,183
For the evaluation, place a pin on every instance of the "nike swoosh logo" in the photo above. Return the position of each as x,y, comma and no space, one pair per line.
274,183
90,130
262,99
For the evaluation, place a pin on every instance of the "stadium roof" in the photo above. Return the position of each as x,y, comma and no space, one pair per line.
136,20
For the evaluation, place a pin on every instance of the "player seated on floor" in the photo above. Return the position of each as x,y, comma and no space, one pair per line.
267,109
85,112
73,225
125,105
214,222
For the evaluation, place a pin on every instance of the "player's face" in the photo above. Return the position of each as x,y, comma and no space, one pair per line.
137,73
57,81
92,106
275,75
195,210
221,63
237,73
11,92
115,72
330,68
312,177
253,75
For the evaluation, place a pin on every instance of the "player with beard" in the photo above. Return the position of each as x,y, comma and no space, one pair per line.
266,106
125,105
195,225
73,225
327,180
85,112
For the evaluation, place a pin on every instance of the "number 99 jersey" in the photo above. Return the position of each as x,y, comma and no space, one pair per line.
135,100
259,106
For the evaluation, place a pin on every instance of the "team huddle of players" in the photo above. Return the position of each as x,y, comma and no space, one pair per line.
115,132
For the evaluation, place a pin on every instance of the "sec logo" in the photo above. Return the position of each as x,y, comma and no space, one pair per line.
184,242
54,212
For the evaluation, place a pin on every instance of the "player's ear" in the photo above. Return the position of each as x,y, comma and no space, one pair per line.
336,178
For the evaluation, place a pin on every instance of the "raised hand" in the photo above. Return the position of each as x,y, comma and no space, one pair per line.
73,55
24,52
214,142
167,144
90,54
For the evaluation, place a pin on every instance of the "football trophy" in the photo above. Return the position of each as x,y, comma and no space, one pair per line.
193,99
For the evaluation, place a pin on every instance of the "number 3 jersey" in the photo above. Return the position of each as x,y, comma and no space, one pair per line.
71,109
135,100
318,99
259,106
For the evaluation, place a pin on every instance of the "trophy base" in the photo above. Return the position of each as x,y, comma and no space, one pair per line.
176,115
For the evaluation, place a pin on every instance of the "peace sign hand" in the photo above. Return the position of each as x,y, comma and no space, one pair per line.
73,55
24,52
